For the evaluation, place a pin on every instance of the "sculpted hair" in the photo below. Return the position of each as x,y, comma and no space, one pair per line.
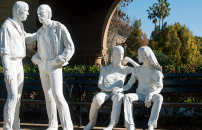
119,48
47,8
18,6
150,56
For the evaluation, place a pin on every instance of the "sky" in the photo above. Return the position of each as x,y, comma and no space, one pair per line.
188,12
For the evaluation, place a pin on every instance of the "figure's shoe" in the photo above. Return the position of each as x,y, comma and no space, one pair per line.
110,127
52,128
151,127
89,126
131,127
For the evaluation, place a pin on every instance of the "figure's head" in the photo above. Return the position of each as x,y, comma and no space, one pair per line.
145,53
21,10
44,13
118,53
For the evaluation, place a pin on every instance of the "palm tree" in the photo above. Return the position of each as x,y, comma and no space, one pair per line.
152,14
162,10
166,11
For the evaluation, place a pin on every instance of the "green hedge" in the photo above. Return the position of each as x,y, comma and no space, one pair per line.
96,69
66,69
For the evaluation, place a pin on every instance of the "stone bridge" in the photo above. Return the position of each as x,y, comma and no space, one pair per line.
87,21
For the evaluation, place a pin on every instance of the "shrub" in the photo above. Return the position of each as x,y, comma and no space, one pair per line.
163,59
184,69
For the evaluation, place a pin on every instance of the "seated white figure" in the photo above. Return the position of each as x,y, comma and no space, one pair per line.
150,84
111,79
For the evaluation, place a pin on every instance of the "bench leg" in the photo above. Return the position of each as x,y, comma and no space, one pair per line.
80,115
145,122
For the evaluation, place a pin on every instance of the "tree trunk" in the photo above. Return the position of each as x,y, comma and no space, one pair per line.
162,23
155,28
159,24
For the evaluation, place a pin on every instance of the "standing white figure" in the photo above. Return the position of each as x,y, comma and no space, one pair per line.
13,50
111,81
150,84
55,49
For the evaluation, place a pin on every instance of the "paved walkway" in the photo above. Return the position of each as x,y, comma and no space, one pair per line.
100,128
28,126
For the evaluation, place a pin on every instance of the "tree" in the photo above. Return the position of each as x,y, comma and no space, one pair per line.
177,42
152,14
163,9
119,25
136,39
199,43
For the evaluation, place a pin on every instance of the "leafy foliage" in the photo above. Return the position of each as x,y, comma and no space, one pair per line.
162,59
184,69
163,10
199,43
152,14
119,25
177,42
136,39
81,69
66,69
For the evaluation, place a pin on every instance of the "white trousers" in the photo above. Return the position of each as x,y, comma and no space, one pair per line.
140,96
52,83
99,99
14,90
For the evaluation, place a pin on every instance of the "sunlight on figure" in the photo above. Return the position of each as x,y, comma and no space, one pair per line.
150,84
13,50
111,81
55,49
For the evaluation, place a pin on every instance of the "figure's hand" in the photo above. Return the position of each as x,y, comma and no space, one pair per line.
148,100
119,90
59,61
36,61
111,88
8,77
126,60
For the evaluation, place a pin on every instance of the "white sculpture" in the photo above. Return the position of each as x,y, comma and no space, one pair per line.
13,50
55,48
150,84
111,81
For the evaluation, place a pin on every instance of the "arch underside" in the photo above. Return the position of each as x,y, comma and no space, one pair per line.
87,21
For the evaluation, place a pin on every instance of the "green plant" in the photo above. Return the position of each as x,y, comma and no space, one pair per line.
163,59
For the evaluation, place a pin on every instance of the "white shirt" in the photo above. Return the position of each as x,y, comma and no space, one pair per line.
45,45
12,39
53,41
109,76
149,79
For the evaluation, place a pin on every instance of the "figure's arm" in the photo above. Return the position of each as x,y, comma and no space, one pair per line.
36,59
130,83
158,77
5,38
68,43
30,38
127,59
6,68
101,82
68,52
159,83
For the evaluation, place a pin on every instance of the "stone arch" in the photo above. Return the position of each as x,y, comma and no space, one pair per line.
87,21
107,23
